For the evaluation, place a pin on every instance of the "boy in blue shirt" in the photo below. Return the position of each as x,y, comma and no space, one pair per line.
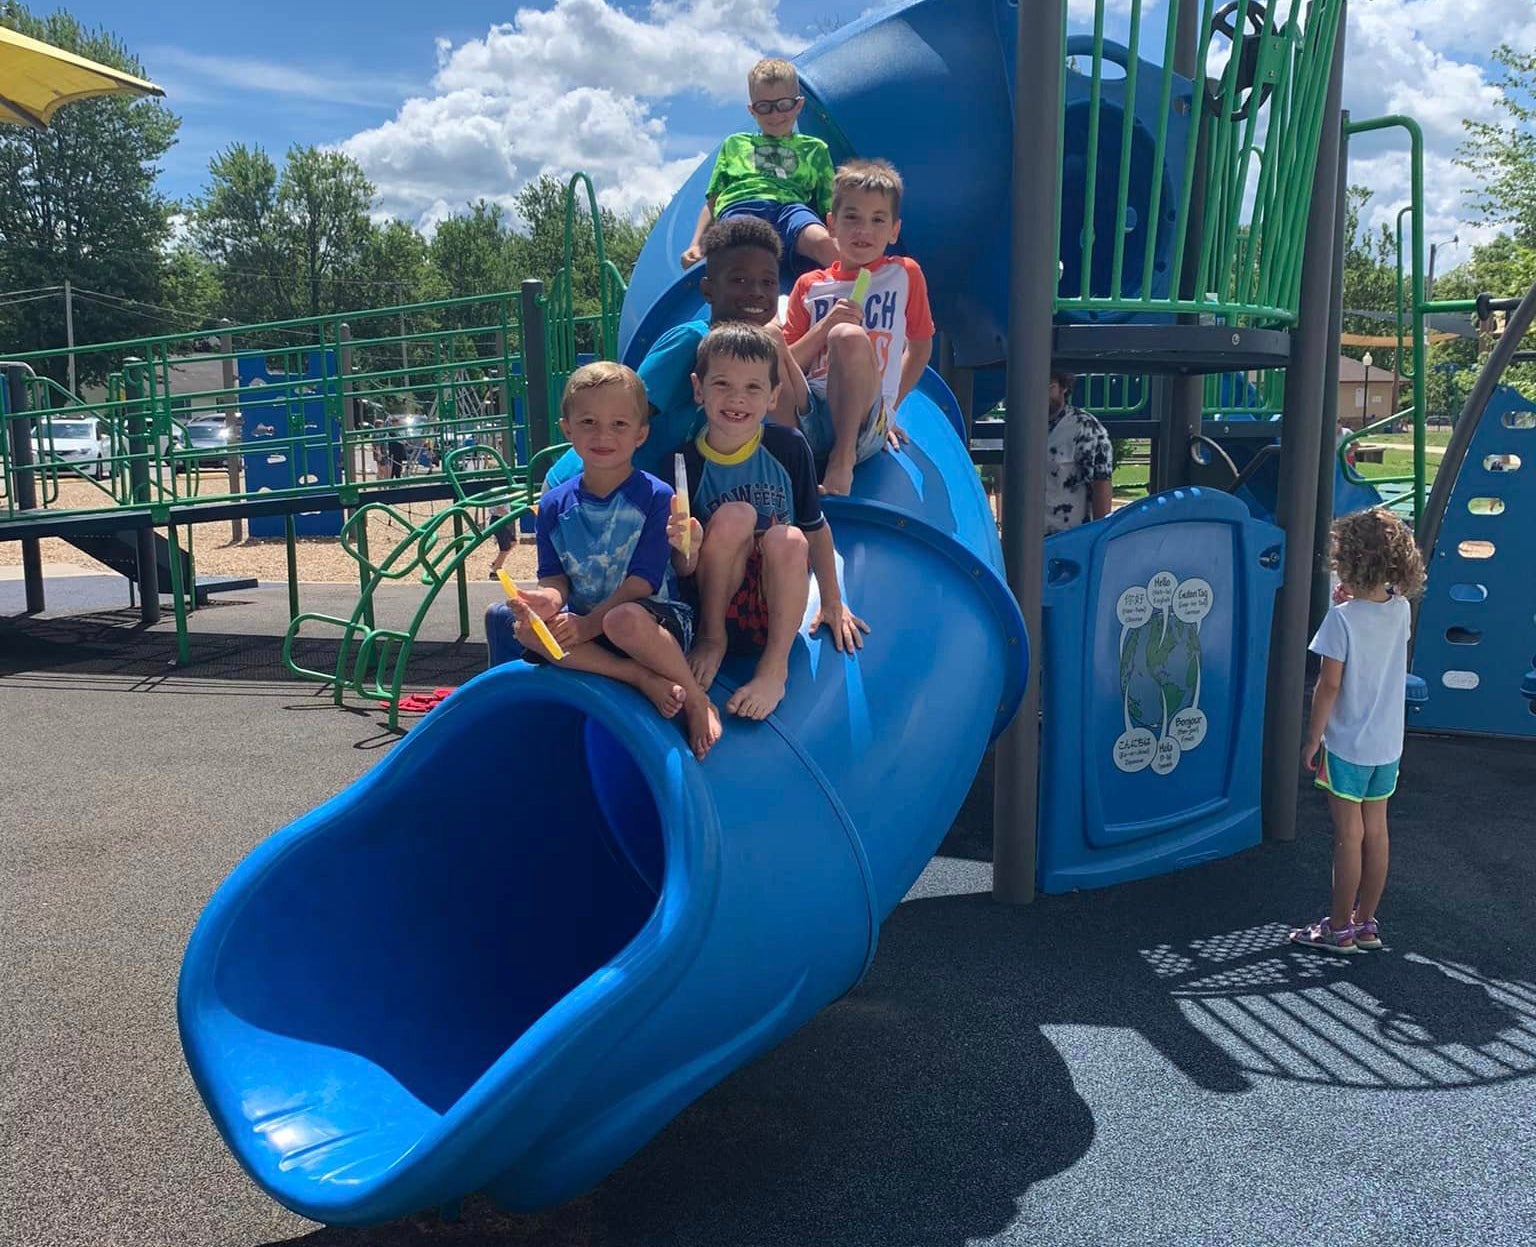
753,489
741,282
607,589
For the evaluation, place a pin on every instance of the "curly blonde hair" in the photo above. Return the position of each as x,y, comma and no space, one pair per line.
1374,550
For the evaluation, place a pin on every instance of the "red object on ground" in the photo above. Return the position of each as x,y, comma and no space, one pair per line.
420,703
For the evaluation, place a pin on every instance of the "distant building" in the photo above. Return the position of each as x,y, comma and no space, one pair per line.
1363,401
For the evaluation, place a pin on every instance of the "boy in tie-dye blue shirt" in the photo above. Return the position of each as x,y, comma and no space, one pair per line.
598,543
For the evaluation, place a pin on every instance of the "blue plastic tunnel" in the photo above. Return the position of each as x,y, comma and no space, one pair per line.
417,991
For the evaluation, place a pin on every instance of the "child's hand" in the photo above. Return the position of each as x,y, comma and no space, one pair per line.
844,312
545,603
896,436
692,256
1341,594
846,627
1309,752
572,630
679,527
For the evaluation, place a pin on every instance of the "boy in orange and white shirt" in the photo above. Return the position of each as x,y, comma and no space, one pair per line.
859,362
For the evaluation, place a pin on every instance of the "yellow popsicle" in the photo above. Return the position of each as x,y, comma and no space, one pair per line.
680,500
540,628
860,287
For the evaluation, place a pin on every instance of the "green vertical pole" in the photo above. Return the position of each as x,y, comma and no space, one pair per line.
178,599
458,537
363,573
289,537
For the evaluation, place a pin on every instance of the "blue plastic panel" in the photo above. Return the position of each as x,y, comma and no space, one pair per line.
1156,635
1476,635
287,412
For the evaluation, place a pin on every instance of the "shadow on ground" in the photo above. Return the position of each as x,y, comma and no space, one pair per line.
115,644
924,1106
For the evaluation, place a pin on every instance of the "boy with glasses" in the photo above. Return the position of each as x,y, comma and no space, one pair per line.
780,176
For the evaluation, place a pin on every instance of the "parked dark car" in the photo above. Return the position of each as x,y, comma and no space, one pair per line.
207,437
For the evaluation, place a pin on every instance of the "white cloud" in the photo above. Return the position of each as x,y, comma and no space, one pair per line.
590,84
580,85
1427,59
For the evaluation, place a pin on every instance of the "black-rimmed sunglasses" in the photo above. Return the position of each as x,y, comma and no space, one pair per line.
785,105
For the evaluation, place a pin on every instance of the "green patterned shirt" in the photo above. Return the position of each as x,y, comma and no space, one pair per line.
794,169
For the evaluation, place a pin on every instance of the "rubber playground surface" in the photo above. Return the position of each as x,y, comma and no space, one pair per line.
1147,1064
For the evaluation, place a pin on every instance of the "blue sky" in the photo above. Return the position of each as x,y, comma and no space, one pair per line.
445,103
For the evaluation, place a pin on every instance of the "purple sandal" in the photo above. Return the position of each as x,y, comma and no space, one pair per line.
1367,934
1322,935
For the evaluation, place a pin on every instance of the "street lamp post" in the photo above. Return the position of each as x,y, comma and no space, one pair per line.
1365,416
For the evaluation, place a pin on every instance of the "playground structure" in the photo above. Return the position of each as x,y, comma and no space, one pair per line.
329,421
1195,248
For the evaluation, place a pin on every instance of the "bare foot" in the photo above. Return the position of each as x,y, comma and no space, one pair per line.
703,726
667,697
704,659
760,696
839,478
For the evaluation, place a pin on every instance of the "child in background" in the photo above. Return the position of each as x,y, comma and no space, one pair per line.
753,487
607,588
775,175
860,362
1355,740
505,537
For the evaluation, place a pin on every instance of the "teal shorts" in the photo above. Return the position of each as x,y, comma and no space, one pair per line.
817,426
1354,782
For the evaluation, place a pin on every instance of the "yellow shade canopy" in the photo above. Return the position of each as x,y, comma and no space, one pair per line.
37,79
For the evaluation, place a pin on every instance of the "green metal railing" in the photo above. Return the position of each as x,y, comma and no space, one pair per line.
1236,222
442,379
1411,308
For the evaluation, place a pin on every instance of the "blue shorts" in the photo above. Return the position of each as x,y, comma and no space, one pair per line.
502,644
816,424
788,220
1354,782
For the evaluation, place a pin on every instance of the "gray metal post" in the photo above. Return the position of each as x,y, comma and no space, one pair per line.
1185,398
139,436
24,480
234,424
1328,455
1032,284
536,407
1296,509
69,332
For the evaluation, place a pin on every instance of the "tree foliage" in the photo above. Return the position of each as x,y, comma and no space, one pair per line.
78,203
1502,154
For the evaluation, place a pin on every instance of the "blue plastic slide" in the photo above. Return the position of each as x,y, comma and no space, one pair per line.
425,989
431,987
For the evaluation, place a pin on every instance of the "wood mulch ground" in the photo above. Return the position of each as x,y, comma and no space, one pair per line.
320,559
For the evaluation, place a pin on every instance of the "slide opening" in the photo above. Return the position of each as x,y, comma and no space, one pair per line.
427,930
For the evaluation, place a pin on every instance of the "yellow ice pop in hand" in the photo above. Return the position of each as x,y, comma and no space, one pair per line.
680,501
540,628
860,288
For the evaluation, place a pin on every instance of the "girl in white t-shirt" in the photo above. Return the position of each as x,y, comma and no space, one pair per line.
1355,740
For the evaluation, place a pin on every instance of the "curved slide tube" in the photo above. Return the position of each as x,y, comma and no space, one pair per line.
424,989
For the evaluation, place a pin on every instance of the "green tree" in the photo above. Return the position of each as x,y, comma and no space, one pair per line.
189,284
323,200
296,243
1502,154
78,202
234,224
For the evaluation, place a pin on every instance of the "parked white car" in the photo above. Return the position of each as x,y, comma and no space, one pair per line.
79,441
